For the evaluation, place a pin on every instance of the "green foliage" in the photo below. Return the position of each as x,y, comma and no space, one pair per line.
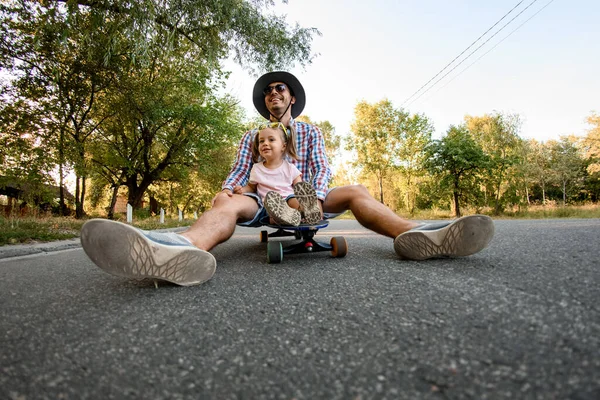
536,168
498,136
125,92
23,230
568,167
332,140
375,139
31,229
457,161
591,145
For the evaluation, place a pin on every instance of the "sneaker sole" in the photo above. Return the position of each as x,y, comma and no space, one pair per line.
124,251
307,197
280,211
463,237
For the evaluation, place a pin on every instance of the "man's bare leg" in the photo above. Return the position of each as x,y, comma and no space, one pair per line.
218,224
368,212
462,237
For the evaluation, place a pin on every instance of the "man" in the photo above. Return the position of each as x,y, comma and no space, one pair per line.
184,258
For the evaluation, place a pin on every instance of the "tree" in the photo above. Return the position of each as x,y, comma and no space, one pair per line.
456,161
498,136
567,164
332,140
537,167
591,145
415,137
214,29
388,141
376,134
58,65
165,120
25,164
68,56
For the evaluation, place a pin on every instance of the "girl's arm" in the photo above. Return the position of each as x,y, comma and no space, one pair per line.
249,188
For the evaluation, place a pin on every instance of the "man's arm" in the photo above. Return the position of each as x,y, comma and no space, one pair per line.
240,171
318,163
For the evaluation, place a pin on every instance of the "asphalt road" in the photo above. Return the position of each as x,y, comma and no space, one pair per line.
520,320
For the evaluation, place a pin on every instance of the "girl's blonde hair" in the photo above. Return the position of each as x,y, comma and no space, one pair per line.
288,137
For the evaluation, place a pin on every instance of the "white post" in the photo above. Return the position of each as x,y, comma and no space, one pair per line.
162,215
195,215
129,213
180,215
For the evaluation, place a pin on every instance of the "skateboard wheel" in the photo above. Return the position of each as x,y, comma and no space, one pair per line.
274,252
339,246
264,236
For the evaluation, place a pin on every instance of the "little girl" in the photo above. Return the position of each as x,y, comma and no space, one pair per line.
277,181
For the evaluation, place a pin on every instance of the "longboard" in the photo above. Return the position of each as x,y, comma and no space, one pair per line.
304,232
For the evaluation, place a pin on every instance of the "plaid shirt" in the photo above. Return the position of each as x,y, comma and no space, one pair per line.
312,160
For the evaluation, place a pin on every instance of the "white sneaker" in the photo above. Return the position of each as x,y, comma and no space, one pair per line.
125,251
462,237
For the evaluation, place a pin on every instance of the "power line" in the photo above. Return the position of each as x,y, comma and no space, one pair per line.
496,45
470,54
471,45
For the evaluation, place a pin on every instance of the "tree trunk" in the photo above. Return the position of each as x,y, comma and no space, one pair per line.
381,190
497,200
543,193
136,192
187,204
113,202
410,195
456,205
564,193
78,213
83,187
456,195
61,191
61,160
79,196
153,206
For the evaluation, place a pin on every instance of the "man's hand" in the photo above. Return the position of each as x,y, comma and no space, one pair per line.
238,190
228,192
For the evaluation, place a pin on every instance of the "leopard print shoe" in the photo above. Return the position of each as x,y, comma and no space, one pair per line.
309,204
280,211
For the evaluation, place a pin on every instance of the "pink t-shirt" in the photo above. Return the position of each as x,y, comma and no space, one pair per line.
279,179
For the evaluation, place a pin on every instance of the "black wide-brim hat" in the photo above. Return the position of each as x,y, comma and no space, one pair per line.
278,76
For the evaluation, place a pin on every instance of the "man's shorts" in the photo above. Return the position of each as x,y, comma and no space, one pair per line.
262,212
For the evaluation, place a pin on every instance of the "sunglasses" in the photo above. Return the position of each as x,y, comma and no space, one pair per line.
279,88
274,125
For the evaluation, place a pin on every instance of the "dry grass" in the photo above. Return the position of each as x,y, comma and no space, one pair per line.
32,229
554,211
548,211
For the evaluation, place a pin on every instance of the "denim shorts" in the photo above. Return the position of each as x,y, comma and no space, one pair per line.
262,212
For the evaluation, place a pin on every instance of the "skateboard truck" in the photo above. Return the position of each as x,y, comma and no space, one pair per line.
275,250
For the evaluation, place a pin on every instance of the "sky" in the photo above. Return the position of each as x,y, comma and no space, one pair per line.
547,71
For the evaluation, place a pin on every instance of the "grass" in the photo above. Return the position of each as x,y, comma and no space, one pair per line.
29,229
553,211
32,229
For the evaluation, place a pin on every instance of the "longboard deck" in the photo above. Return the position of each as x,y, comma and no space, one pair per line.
302,227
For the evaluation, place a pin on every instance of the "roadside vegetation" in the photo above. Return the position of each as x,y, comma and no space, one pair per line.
107,105
30,229
34,229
